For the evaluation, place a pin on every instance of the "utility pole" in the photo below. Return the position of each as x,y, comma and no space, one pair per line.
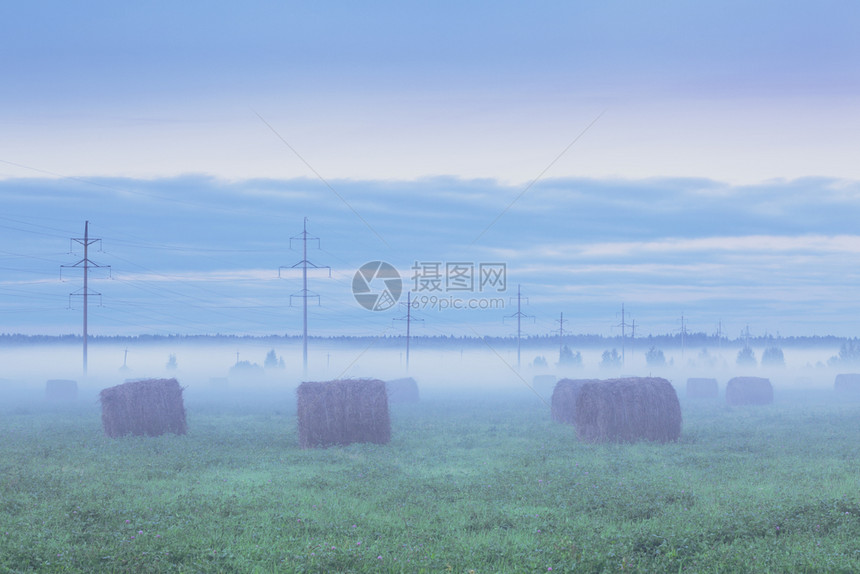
623,324
304,294
519,315
84,293
408,318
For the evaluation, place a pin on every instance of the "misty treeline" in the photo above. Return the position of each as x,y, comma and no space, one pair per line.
247,368
849,347
849,353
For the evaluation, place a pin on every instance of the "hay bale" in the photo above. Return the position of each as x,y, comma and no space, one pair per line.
563,401
628,410
246,372
702,388
847,383
343,412
544,385
749,391
403,390
61,390
148,407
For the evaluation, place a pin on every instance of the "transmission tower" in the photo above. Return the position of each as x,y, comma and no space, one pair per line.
623,325
561,322
519,316
408,318
304,294
720,335
745,333
683,336
84,264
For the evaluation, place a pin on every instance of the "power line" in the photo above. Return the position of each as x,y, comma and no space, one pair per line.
538,178
321,178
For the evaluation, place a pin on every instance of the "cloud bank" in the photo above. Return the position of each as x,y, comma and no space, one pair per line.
197,254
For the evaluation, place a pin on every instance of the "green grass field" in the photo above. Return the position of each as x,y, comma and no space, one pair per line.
467,485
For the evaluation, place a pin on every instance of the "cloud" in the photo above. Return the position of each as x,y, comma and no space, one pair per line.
748,245
219,276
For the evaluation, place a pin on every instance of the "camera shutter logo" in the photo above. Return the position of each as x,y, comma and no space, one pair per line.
377,286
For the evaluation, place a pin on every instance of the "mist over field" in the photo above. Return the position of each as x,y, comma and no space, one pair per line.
476,475
208,368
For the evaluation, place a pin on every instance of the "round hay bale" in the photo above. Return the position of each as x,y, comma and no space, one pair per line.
563,402
702,388
403,390
61,390
848,383
149,407
343,412
628,410
749,391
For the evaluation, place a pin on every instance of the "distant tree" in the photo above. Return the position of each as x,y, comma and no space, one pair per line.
706,359
271,361
746,357
773,357
171,362
539,362
655,357
849,354
568,358
610,359
850,351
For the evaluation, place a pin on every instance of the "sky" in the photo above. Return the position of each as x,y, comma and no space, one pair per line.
679,158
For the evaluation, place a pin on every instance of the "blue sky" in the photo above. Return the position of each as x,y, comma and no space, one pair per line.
713,168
